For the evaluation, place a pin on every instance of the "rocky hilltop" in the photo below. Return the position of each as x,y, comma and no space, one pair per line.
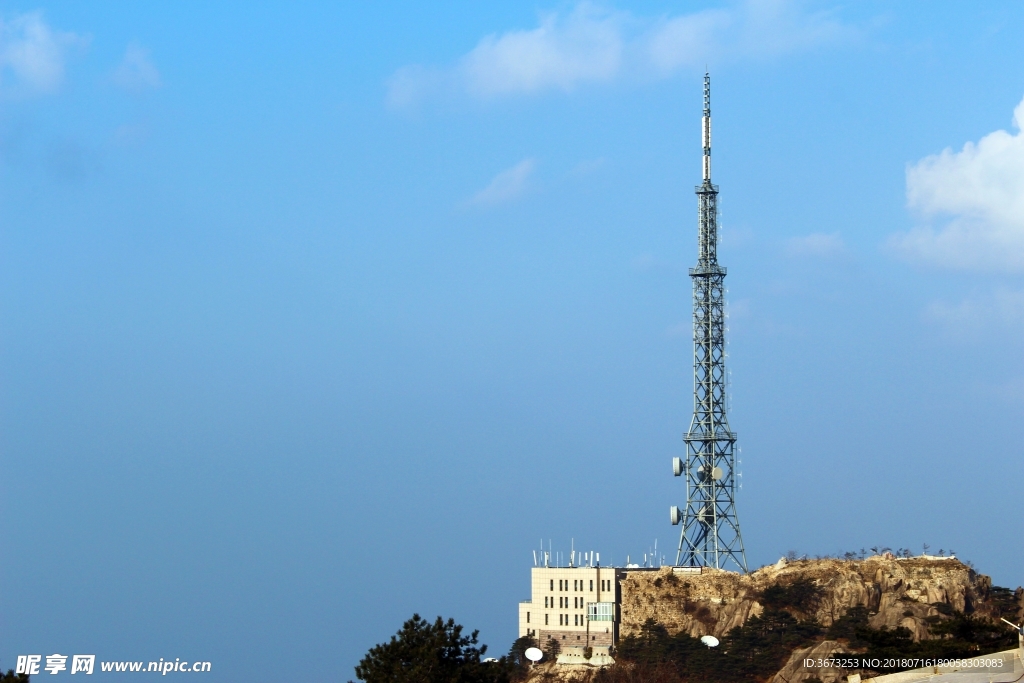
770,620
897,591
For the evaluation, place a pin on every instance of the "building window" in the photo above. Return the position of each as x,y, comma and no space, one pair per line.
601,611
527,617
545,620
591,585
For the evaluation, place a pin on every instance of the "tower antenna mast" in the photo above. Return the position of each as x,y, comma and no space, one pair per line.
710,526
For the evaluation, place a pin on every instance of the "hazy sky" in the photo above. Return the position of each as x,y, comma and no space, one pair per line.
316,316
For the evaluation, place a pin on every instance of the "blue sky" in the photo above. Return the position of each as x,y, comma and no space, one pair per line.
315,317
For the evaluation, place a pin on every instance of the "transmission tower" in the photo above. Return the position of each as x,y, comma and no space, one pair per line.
711,528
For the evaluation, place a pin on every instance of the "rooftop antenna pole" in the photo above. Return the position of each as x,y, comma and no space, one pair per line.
710,535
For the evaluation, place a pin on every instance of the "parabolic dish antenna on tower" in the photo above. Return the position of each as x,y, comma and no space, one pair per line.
710,641
535,655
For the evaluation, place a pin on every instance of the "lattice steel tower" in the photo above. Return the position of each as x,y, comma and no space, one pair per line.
711,528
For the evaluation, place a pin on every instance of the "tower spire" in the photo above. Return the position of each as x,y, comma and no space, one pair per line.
711,528
706,128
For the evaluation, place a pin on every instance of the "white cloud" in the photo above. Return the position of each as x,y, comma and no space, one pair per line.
411,84
686,41
136,72
977,315
33,53
507,185
645,261
562,52
588,167
590,44
130,134
816,245
971,204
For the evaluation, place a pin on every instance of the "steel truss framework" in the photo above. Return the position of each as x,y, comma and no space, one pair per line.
710,525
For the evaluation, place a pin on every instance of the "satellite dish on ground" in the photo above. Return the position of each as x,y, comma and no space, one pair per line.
534,654
710,641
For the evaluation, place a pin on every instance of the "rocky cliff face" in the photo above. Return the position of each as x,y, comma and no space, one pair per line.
899,592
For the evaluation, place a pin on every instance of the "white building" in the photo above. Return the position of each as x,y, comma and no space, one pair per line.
578,606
